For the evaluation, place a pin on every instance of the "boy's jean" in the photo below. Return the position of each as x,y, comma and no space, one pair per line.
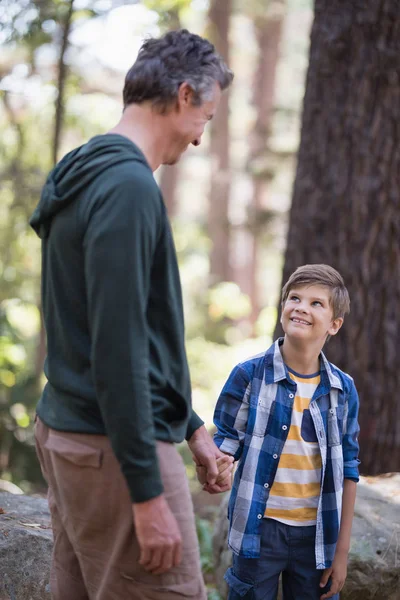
284,549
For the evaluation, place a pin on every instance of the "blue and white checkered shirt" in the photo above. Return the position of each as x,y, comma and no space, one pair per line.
253,416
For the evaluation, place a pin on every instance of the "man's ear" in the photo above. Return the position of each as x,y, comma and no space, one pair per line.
335,326
185,95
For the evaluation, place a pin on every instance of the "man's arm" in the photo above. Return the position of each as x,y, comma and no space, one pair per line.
195,422
119,244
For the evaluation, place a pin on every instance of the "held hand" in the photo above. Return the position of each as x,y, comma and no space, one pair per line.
224,479
337,572
158,535
205,454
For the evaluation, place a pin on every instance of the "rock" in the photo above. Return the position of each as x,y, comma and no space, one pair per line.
25,548
7,486
374,559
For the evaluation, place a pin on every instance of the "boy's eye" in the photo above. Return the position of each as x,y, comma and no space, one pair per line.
294,297
317,302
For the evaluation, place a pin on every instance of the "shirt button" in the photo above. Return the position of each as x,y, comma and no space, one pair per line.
259,516
284,427
291,395
266,485
275,456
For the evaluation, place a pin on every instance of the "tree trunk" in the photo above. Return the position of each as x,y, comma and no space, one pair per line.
58,123
168,185
62,75
346,203
170,174
218,218
268,30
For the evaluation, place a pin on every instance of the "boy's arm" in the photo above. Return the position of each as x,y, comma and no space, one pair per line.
338,571
351,429
231,413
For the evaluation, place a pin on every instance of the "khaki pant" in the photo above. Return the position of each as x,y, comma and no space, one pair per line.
96,554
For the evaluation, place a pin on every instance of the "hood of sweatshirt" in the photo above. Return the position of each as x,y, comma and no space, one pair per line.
76,171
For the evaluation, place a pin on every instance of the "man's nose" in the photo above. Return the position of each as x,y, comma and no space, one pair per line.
196,142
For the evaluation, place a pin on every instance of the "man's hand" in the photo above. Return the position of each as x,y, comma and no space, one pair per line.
224,479
216,478
158,535
337,572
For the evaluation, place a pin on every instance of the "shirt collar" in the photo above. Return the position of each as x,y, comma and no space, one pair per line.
276,370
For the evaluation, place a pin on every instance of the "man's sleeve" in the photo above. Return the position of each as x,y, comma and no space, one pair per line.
231,413
119,244
194,423
351,430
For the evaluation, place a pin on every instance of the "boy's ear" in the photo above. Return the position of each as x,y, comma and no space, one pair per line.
335,326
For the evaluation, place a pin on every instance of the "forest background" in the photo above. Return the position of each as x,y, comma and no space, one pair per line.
300,165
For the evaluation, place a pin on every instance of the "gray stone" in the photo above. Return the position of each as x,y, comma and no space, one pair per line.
25,548
374,559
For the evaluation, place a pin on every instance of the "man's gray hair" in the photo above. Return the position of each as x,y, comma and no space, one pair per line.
163,64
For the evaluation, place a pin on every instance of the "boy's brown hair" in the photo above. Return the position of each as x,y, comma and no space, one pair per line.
321,275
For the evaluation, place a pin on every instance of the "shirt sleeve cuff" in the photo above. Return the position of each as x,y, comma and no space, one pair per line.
144,486
194,423
351,472
229,446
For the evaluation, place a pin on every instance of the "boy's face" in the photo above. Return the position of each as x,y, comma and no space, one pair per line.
307,314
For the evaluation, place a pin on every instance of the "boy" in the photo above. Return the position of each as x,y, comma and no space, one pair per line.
290,418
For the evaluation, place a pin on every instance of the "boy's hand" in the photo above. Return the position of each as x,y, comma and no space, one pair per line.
205,454
337,572
225,467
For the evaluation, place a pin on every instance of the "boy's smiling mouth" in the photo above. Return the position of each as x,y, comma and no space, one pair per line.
301,321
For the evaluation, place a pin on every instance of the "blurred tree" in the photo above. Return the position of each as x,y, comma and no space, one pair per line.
268,18
218,218
346,207
26,27
170,19
33,25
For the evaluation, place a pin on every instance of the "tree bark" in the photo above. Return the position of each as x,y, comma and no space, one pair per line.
218,218
346,202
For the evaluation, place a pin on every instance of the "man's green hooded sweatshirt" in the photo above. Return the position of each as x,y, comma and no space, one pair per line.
112,305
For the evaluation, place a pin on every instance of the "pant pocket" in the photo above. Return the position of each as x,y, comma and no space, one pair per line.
238,589
80,454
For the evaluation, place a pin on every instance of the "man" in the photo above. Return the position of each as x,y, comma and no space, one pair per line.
118,391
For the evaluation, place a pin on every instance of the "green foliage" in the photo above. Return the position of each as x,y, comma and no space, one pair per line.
216,316
204,534
204,530
169,11
213,594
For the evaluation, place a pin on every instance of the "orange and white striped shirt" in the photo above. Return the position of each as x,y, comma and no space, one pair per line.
295,492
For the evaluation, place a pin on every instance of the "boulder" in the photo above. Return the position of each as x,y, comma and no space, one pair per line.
25,547
374,559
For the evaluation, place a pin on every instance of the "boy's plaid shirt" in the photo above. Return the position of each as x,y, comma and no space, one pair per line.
253,416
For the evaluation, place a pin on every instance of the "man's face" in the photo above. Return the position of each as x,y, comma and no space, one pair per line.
187,122
307,314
